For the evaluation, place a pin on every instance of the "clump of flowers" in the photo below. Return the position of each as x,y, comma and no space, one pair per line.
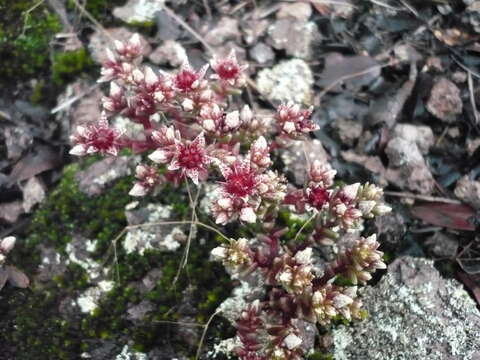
193,132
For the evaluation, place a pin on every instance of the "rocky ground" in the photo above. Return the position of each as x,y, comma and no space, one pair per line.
395,89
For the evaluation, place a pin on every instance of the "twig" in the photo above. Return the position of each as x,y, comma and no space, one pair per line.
467,69
332,2
382,4
410,8
178,323
200,344
27,15
422,197
207,9
193,205
472,97
92,19
73,99
304,226
352,76
189,28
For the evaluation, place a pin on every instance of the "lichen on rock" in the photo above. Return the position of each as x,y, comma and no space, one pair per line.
290,80
415,314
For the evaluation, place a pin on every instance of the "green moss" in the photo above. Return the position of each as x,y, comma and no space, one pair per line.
320,356
26,29
38,92
33,322
67,65
69,211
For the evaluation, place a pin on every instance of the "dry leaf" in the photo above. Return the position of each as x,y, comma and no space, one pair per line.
17,278
452,216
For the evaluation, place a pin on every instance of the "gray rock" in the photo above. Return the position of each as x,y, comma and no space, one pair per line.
349,131
138,11
442,245
469,191
160,237
11,211
414,314
34,193
17,140
298,10
226,29
402,152
445,101
262,53
169,53
419,134
52,264
138,312
413,173
86,110
294,36
288,81
419,178
95,179
253,29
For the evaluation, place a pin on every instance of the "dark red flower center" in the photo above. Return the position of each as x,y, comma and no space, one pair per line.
318,197
240,182
185,79
227,70
190,157
103,138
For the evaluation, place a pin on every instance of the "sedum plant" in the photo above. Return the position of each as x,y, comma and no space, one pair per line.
192,132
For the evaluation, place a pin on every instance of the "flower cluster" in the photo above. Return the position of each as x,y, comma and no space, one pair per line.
192,132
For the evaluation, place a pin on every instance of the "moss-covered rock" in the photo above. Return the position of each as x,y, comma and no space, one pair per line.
26,30
67,65
45,319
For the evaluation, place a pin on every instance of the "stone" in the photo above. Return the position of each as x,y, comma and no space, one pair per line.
11,211
136,12
403,152
34,192
79,251
418,134
298,10
88,300
419,178
17,140
52,264
262,53
342,9
226,29
413,170
445,102
414,314
473,145
468,191
160,237
442,245
169,53
349,131
95,179
99,42
290,80
138,312
293,36
253,29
